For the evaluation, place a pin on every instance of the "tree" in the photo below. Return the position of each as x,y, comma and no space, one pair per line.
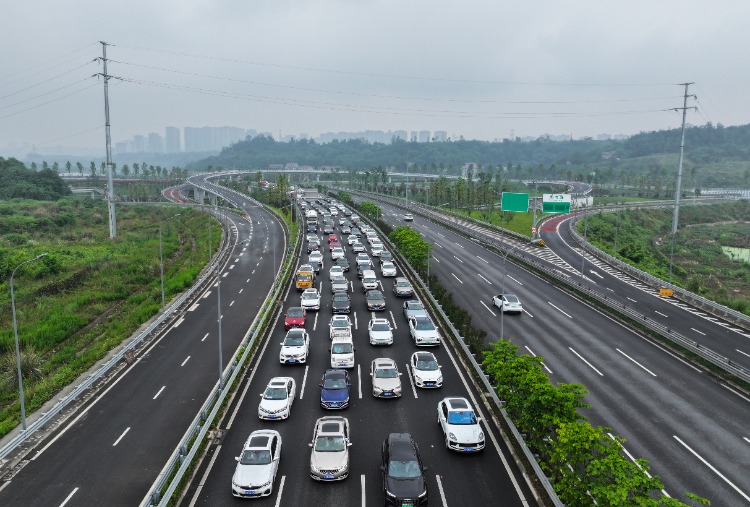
92,169
80,168
68,165
56,167
136,169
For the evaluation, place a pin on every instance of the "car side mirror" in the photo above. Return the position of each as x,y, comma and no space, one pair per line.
261,395
424,469
382,469
236,458
320,385
348,385
310,444
281,343
348,444
440,367
400,373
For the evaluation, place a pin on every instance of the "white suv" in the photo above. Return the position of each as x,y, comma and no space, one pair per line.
460,425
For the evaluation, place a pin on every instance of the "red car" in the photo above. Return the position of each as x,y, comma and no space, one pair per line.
332,237
334,244
294,317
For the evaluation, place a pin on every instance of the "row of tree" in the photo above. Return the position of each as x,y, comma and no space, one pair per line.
17,181
142,170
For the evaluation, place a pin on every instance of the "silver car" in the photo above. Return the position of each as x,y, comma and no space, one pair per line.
386,379
329,459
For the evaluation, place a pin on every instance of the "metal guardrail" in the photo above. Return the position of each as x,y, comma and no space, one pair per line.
691,298
105,368
702,351
178,465
458,339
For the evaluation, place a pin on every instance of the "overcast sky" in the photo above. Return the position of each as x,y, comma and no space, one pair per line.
481,69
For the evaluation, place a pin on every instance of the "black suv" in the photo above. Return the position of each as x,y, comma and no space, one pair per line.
403,474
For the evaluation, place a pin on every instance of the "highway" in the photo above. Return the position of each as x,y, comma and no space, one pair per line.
453,479
692,428
112,449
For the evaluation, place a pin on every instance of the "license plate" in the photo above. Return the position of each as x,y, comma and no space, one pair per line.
343,364
250,492
468,449
429,383
387,394
334,404
328,476
292,360
273,416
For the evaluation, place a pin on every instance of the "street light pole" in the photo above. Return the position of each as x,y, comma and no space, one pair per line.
161,257
15,334
502,291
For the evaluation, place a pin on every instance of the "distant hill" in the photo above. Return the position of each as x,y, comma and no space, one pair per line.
719,155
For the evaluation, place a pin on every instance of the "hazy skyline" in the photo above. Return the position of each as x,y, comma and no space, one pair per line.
480,69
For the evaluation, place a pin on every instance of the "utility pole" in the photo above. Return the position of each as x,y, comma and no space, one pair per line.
678,189
110,185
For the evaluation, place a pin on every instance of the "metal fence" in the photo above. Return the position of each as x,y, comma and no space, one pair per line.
106,367
179,463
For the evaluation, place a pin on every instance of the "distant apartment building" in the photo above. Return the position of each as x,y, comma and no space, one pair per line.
173,143
440,136
423,136
155,143
139,144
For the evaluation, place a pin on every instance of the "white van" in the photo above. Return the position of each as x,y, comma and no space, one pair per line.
369,280
342,352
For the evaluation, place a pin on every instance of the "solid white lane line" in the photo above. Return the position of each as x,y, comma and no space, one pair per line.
527,313
439,234
356,325
486,262
393,320
532,353
440,489
185,361
610,290
160,390
457,278
746,439
582,359
459,260
657,311
743,353
495,444
67,499
411,380
735,392
359,380
636,362
699,332
362,485
559,310
713,469
436,259
120,437
304,381
488,309
204,338
281,490
519,283
315,322
483,278
627,453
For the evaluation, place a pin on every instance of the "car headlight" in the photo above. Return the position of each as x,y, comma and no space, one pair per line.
423,494
390,494
452,436
377,390
440,379
417,378
481,435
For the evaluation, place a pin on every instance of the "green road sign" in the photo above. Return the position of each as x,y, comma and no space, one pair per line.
555,203
513,201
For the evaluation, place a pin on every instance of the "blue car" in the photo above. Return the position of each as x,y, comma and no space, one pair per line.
334,389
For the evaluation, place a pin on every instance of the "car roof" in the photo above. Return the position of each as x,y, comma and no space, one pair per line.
384,362
424,356
296,330
401,446
278,381
420,318
260,439
458,404
380,320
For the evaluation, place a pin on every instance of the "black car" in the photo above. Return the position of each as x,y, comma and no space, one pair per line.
315,265
375,300
341,303
361,268
312,228
342,262
403,473
313,245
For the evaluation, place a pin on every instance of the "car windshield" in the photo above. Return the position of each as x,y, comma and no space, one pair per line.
341,348
386,373
255,457
462,417
374,295
511,299
304,278
415,306
403,284
330,444
404,469
427,365
381,327
334,383
275,393
295,312
309,295
424,325
341,297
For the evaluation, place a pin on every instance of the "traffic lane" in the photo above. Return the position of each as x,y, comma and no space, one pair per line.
364,354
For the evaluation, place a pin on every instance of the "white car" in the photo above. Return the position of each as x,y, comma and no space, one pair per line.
337,253
329,459
386,379
358,247
423,331
340,325
342,352
352,239
257,465
408,217
460,425
388,269
509,303
295,347
363,258
376,249
426,370
380,331
310,299
316,256
335,271
276,401
414,308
